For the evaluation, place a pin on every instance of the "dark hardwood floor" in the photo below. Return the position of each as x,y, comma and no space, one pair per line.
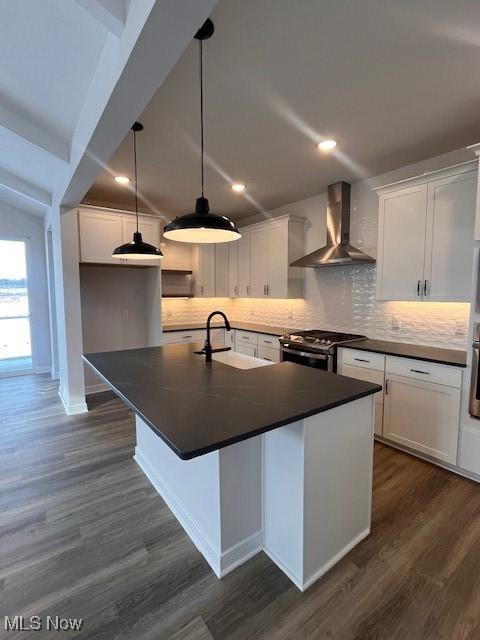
83,534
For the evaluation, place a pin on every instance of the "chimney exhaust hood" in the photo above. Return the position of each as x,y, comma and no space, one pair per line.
338,251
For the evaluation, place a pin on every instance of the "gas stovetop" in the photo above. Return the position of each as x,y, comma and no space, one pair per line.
316,340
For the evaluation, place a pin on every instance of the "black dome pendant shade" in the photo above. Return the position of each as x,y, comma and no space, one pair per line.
137,249
202,226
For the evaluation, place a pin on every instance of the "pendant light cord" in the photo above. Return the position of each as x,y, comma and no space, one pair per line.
201,112
135,163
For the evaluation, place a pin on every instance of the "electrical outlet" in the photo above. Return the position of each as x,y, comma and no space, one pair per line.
290,315
396,323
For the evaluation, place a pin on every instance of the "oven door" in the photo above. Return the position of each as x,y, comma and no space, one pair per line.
316,360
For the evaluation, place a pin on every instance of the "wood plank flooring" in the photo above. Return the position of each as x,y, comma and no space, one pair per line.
83,534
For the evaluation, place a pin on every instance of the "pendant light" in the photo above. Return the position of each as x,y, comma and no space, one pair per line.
137,249
202,226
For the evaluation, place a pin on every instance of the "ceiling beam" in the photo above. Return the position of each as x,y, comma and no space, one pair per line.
24,189
110,13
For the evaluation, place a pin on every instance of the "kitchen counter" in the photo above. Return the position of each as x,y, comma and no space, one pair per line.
416,352
197,407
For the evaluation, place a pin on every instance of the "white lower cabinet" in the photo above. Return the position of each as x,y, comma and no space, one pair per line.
419,407
376,377
217,336
423,416
246,349
267,353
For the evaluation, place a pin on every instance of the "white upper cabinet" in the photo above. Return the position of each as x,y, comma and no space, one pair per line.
177,256
450,223
425,240
259,262
244,285
233,282
221,270
401,244
100,231
273,246
205,271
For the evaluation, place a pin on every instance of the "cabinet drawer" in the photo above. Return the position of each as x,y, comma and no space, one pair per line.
246,349
426,371
271,342
175,337
368,375
249,337
365,359
267,353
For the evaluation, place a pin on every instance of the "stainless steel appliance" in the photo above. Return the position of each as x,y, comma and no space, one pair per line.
338,251
314,348
474,407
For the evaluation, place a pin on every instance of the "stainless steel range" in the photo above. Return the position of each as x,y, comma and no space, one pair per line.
314,348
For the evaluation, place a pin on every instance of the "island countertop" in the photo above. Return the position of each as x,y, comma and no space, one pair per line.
197,407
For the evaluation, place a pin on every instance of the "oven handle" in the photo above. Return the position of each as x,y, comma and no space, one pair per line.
316,356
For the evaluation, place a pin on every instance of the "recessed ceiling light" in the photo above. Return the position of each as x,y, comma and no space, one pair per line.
122,179
327,145
238,187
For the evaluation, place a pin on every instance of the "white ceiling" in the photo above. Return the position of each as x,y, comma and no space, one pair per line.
394,82
49,52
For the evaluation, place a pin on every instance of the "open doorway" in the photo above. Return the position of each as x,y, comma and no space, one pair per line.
15,341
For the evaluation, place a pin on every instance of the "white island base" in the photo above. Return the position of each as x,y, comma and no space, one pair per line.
301,492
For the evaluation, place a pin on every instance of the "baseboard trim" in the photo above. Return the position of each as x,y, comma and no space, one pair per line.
438,463
221,563
196,534
72,409
304,584
39,370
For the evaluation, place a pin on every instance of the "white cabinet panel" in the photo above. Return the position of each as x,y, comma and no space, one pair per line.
401,244
268,353
205,271
178,337
244,283
221,270
277,260
233,282
369,375
246,349
258,262
422,416
176,255
100,233
428,371
268,341
365,359
448,250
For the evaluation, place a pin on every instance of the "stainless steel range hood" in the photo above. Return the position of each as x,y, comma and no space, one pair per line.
338,250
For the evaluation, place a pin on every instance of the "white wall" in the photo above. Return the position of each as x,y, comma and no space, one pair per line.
343,298
19,224
113,311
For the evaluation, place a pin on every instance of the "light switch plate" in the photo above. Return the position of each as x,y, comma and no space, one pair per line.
396,323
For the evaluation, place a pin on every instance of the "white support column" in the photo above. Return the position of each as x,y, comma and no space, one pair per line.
318,489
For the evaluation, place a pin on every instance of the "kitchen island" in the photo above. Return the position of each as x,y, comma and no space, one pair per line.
250,455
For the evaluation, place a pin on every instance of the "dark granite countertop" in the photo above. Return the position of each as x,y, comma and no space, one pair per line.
414,351
197,407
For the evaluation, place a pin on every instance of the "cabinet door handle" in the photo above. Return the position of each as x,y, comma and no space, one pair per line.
386,387
268,289
236,289
425,373
264,289
361,360
201,290
419,288
269,359
186,337
246,337
248,289
425,288
267,341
